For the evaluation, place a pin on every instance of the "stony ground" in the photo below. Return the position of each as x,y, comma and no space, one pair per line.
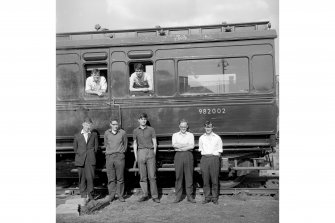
237,208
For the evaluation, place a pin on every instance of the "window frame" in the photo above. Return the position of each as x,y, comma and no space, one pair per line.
176,93
141,94
88,96
253,90
215,58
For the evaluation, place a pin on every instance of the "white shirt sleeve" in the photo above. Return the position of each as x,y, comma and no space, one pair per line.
191,140
103,83
200,144
219,144
173,139
88,84
149,79
131,82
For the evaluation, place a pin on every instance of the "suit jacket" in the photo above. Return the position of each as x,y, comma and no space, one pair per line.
85,152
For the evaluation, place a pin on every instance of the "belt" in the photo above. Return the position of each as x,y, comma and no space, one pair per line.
211,155
115,153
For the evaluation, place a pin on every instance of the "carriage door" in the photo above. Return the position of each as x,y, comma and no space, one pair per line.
97,96
119,79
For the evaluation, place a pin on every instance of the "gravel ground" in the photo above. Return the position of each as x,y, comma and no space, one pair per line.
238,208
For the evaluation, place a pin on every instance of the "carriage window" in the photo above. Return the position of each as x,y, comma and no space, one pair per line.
165,78
68,82
96,80
141,78
213,76
262,73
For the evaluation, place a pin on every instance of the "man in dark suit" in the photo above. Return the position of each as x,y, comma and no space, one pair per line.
85,146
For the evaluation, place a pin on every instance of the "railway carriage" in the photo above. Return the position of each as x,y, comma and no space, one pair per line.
223,73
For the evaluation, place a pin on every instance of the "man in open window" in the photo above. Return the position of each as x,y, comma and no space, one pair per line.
139,80
96,84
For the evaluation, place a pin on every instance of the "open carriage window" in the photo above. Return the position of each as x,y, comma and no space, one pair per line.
141,78
96,80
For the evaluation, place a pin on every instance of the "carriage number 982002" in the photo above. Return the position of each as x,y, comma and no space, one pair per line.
208,111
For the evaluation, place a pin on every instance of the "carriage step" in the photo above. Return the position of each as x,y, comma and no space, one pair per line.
76,170
252,168
171,169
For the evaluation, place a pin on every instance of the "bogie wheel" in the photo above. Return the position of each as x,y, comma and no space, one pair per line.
232,179
233,182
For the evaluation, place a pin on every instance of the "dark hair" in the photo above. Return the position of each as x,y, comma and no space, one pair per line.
95,71
183,120
207,123
87,120
113,119
138,66
143,115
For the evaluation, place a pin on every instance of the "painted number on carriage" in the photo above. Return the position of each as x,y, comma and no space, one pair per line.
209,111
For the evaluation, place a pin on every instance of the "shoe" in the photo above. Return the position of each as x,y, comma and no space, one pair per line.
215,202
205,201
90,197
87,200
143,199
156,200
191,200
176,200
121,199
110,198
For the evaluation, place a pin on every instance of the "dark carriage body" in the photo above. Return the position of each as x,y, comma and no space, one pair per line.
183,62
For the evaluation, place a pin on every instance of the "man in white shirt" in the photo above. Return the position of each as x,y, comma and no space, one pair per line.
96,84
139,80
183,143
210,146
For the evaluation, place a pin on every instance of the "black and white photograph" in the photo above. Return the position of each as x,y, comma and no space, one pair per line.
167,111
167,107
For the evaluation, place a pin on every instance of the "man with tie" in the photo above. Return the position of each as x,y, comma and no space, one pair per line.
85,146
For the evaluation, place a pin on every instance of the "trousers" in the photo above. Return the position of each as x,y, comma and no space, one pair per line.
86,178
183,163
210,169
115,164
147,166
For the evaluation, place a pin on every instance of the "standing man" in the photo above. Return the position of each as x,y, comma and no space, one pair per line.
85,146
210,146
116,142
145,147
183,143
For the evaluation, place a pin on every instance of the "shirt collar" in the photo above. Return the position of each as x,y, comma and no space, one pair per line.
83,132
183,133
111,131
97,80
212,134
144,127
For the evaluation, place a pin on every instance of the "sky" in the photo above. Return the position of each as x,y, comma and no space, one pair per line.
83,15
28,89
